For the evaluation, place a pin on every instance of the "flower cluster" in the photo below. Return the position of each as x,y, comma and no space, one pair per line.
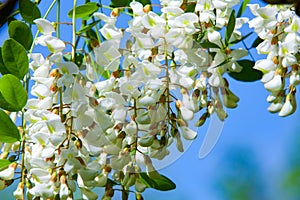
100,133
102,121
279,28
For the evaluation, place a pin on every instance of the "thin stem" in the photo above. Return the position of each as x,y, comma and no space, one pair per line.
37,32
58,19
74,30
248,50
23,157
61,104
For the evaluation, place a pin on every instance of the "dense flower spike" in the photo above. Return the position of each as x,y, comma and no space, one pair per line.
278,27
99,115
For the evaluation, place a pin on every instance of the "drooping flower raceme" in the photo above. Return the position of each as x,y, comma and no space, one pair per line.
278,27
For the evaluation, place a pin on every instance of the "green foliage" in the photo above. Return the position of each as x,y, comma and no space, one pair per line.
20,32
15,58
125,3
3,162
119,3
84,11
88,27
160,182
144,2
3,69
242,8
208,44
248,74
29,11
230,27
13,96
256,42
8,131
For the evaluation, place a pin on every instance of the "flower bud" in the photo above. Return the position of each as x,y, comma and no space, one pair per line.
8,173
147,8
138,196
202,119
146,140
78,144
101,179
187,133
289,106
18,193
275,84
115,12
55,73
179,144
140,186
2,184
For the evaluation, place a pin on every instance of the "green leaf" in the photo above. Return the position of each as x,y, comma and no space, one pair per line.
208,44
256,42
161,182
88,27
4,163
13,96
244,37
21,33
230,27
242,8
144,2
248,73
84,11
146,180
3,69
119,3
164,184
15,58
8,130
29,11
190,7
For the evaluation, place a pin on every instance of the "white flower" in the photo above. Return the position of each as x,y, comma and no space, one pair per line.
44,26
8,173
187,133
108,55
289,106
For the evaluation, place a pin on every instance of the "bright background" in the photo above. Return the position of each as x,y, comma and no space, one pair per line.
256,157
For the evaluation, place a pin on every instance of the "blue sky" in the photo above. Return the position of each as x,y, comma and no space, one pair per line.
249,130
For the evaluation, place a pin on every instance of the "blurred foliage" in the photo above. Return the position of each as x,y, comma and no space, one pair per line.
240,177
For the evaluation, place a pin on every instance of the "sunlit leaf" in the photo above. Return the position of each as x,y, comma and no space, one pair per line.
15,58
13,96
230,27
84,11
88,27
8,131
119,3
164,184
242,8
3,69
4,163
29,11
248,73
208,44
21,33
161,182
